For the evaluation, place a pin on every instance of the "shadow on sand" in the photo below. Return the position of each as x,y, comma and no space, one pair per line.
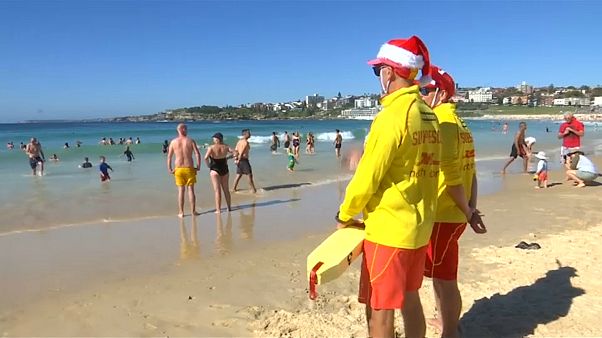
285,186
518,313
263,204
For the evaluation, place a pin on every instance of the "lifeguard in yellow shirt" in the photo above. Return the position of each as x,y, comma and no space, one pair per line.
456,204
395,187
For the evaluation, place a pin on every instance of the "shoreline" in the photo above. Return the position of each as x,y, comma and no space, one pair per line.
543,117
148,279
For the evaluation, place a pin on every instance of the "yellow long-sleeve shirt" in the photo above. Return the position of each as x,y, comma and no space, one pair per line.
457,162
395,184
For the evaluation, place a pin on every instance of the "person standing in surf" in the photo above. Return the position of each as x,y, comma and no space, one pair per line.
216,159
182,147
275,143
338,142
36,156
395,187
243,166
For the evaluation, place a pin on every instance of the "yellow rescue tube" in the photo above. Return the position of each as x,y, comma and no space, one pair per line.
333,256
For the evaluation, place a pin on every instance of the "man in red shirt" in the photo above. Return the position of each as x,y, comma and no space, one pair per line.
571,132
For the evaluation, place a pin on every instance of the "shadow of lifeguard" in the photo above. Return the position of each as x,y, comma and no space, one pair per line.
517,313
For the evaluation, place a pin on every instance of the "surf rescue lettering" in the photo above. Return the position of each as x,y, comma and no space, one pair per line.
425,136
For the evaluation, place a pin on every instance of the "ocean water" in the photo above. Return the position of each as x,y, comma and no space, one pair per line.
67,194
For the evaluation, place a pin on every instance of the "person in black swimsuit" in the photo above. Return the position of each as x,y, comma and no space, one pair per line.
296,144
216,157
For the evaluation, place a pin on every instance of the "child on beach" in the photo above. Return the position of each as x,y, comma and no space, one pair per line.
541,174
292,160
104,169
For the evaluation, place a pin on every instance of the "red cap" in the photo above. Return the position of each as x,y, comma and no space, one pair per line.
442,80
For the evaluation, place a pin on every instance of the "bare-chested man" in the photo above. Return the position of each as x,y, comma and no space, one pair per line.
243,167
519,148
36,155
185,171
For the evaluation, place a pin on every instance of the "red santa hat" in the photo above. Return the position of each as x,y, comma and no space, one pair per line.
406,56
442,80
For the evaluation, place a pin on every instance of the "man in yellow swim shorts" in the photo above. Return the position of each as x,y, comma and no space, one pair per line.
185,173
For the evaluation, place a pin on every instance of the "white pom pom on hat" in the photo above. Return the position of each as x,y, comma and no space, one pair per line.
406,54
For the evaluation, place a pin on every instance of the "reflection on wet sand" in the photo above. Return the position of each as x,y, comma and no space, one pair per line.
189,244
223,238
247,222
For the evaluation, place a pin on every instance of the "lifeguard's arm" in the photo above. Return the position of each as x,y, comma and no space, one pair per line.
474,192
169,158
197,153
450,166
207,154
379,153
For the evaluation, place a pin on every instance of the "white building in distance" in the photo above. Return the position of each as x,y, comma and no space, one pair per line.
480,95
365,102
572,101
597,101
313,100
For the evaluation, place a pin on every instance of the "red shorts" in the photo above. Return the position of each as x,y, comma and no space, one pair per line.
104,177
388,273
442,252
543,176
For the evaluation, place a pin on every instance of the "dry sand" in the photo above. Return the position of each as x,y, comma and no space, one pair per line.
261,290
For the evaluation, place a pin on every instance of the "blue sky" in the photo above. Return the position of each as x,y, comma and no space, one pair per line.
81,59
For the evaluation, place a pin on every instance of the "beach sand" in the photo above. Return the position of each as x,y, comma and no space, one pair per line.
242,278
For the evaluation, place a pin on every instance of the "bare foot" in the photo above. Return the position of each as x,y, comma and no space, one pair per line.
503,172
536,187
218,211
196,213
181,215
436,323
580,185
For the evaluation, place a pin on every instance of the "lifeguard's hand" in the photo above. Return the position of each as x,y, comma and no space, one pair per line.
352,223
476,223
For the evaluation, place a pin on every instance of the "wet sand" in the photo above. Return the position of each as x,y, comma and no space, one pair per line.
244,276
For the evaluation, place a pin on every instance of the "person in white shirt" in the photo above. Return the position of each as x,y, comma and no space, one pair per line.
580,169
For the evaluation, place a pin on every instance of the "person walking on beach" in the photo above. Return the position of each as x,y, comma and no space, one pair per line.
287,140
216,159
36,156
185,170
104,170
275,143
519,148
292,160
243,166
571,131
395,186
338,142
541,173
128,153
456,202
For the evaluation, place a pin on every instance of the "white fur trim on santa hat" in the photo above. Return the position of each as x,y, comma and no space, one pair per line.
401,56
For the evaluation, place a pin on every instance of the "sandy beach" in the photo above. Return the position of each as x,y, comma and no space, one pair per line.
234,276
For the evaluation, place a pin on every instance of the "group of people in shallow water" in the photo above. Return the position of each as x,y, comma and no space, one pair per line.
122,141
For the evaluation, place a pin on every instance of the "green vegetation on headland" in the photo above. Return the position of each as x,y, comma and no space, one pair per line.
207,113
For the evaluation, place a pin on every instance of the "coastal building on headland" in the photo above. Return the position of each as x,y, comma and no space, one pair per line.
365,102
597,101
525,88
572,101
480,95
360,113
313,100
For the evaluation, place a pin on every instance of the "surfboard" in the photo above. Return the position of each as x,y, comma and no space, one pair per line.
333,256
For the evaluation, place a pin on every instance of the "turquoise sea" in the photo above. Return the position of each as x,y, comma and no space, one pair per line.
67,194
